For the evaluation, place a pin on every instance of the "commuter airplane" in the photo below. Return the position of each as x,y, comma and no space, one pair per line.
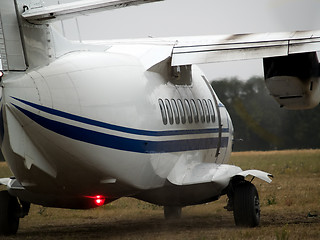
84,124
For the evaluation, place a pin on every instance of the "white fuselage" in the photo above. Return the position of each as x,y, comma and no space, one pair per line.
93,123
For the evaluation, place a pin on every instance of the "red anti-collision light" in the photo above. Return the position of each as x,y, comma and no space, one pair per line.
99,200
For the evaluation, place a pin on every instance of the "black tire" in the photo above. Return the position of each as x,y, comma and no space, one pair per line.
9,214
246,208
172,212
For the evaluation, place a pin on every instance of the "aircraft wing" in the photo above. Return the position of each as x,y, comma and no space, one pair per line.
74,9
222,48
209,49
193,50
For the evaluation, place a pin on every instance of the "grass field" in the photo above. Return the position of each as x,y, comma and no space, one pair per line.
290,209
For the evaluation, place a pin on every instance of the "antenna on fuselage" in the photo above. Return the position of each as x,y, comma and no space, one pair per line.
78,29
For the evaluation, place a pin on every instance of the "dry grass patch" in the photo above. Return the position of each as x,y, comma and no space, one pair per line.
290,209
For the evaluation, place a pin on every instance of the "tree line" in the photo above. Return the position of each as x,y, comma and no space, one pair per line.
260,123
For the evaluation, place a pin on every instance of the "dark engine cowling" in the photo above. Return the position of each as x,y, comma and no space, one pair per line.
294,80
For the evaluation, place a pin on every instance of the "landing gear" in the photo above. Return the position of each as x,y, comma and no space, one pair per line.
172,212
9,214
246,205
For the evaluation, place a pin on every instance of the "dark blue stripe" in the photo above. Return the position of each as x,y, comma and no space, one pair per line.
121,143
119,128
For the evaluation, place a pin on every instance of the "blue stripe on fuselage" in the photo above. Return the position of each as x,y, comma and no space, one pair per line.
119,128
121,143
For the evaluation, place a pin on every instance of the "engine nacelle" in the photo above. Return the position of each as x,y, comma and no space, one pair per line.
294,80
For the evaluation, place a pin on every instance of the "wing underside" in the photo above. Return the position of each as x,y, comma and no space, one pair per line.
243,46
77,8
222,48
191,50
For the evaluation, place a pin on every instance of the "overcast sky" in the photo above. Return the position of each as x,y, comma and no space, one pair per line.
201,17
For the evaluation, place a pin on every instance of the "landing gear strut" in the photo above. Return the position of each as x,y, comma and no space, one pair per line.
10,213
172,212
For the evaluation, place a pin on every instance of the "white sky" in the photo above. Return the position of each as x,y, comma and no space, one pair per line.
202,17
